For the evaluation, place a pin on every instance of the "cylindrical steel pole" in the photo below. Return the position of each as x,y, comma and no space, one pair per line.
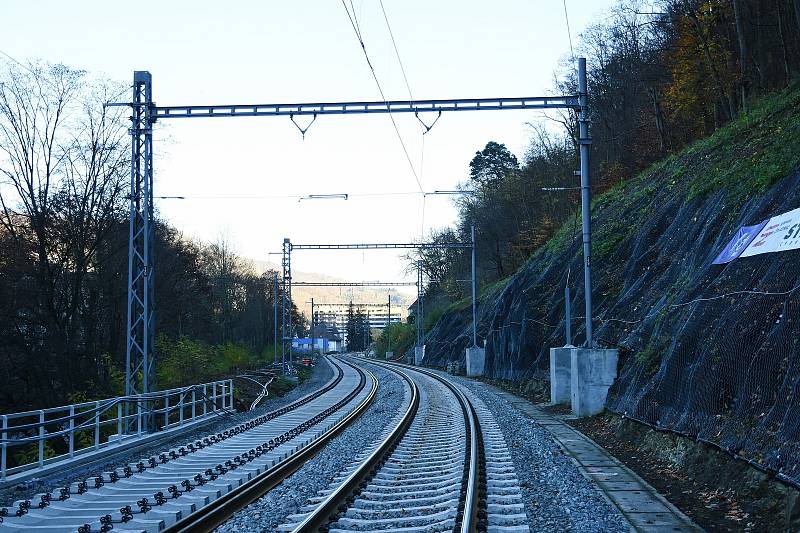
421,309
585,141
388,323
568,318
474,291
419,300
312,327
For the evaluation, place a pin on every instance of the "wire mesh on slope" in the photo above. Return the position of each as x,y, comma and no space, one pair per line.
724,367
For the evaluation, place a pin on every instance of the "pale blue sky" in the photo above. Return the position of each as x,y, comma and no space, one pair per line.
203,52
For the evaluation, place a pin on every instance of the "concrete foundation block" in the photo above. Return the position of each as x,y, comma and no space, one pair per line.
560,370
419,354
476,361
592,372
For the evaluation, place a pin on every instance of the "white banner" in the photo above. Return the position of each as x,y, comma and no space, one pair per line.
781,233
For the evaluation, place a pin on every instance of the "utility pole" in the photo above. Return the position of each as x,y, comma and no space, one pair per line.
421,309
474,290
312,326
568,318
585,142
419,301
366,332
283,327
275,317
388,323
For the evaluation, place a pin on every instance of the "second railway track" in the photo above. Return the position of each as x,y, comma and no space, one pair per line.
197,486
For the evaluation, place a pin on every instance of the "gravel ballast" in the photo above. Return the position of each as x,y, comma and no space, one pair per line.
556,496
267,513
323,372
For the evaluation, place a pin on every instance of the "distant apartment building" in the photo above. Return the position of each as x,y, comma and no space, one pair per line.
377,315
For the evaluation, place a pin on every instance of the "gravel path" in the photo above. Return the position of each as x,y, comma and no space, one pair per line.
269,512
556,496
320,376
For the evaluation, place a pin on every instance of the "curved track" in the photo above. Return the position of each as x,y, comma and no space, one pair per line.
440,465
197,486
425,475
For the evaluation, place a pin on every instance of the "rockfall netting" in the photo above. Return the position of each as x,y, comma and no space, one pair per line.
708,351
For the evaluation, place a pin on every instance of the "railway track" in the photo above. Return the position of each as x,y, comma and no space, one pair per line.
440,465
197,486
443,467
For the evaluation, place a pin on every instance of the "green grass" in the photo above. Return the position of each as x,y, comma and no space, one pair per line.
492,288
750,154
651,355
432,315
743,158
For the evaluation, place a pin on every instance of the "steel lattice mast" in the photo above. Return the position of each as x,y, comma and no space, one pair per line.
139,352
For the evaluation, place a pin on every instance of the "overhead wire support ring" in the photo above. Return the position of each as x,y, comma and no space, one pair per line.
428,128
303,130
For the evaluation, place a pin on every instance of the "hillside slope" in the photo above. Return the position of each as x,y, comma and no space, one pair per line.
722,368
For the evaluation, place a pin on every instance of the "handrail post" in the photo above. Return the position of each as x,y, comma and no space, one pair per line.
3,447
72,431
180,407
230,400
119,420
166,410
194,402
138,417
205,399
96,425
214,396
41,438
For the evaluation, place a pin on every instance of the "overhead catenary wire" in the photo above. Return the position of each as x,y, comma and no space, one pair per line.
424,127
397,52
357,30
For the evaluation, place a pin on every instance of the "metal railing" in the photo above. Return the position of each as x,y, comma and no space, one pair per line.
33,439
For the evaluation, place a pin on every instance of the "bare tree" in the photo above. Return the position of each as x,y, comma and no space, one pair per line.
63,157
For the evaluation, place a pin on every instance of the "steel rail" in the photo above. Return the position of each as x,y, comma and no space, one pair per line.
331,506
470,520
320,517
67,491
217,512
